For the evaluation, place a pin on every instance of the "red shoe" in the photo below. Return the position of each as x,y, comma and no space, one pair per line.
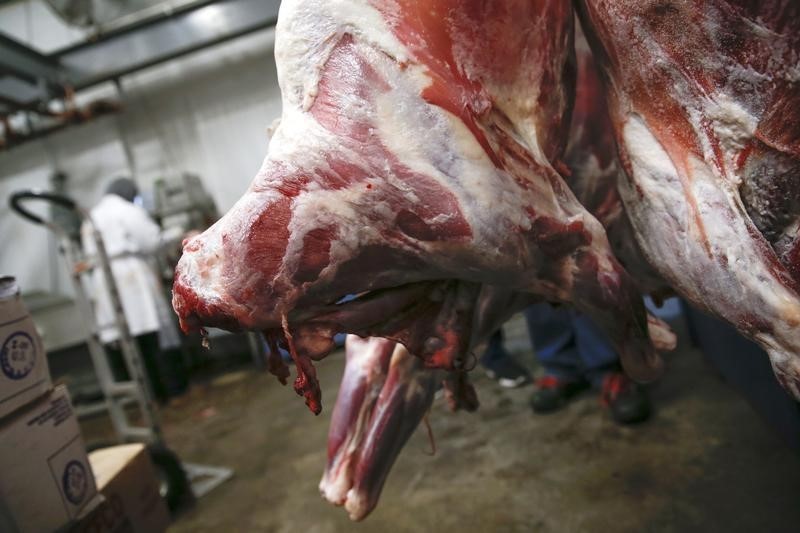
628,401
552,393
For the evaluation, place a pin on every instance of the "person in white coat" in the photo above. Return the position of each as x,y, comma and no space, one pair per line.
131,237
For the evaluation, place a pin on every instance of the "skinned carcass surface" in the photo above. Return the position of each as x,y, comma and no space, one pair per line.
414,163
595,170
385,391
705,101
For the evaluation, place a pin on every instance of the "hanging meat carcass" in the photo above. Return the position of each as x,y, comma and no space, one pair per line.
413,163
386,392
705,101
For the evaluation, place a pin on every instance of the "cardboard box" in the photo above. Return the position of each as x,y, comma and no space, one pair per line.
126,478
24,375
46,478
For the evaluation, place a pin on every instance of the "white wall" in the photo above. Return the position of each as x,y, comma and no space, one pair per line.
206,113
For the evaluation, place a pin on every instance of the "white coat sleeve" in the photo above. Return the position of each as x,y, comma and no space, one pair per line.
143,230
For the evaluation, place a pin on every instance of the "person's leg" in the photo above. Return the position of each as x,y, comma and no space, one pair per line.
627,401
550,331
500,365
494,348
173,371
596,355
551,335
148,346
116,362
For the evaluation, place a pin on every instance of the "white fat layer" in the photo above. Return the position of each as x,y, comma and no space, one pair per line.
299,140
306,32
646,152
356,504
518,101
316,208
736,276
439,145
336,480
732,125
203,271
655,174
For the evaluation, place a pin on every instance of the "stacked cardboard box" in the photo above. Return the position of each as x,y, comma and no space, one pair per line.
47,480
24,375
132,502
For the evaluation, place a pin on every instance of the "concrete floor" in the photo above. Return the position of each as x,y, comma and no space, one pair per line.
703,463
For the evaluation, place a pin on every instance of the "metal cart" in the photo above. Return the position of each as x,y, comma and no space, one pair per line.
119,395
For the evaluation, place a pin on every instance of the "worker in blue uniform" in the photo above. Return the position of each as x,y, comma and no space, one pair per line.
575,355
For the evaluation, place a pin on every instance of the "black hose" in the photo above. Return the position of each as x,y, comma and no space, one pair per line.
17,198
